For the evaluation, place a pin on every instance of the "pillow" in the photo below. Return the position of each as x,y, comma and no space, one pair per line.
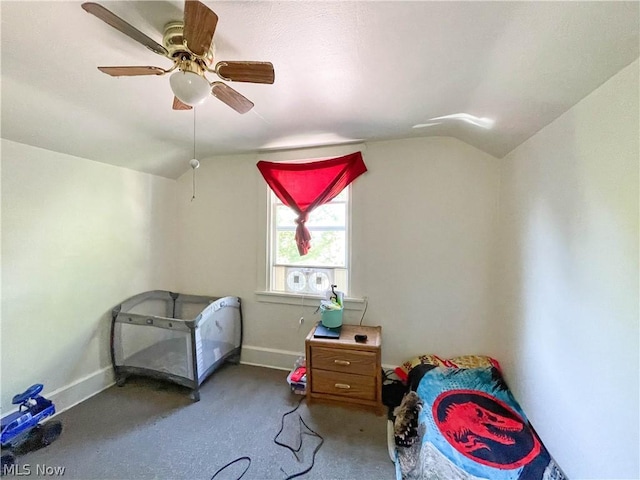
474,361
422,359
462,361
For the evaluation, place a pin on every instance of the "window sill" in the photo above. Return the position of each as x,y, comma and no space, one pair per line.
284,298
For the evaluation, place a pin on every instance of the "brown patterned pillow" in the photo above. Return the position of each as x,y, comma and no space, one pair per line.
474,361
422,360
461,361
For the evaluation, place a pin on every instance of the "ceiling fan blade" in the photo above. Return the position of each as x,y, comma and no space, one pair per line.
199,25
132,71
178,105
228,95
253,72
119,24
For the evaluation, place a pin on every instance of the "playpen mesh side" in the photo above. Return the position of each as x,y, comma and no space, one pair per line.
189,307
154,348
158,303
218,333
153,331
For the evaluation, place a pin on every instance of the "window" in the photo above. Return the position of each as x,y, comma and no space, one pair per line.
326,263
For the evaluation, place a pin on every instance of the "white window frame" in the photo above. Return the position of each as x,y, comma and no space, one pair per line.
337,271
264,246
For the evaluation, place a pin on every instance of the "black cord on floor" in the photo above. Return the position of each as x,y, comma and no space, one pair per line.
295,450
275,439
231,463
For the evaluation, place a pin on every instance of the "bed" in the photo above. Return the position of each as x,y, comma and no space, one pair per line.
459,421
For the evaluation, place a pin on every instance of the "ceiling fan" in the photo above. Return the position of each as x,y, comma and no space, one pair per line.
189,44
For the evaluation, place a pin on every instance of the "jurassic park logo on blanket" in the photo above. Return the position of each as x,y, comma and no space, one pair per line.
485,429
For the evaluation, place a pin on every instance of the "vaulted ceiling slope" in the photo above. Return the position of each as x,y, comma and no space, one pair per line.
344,71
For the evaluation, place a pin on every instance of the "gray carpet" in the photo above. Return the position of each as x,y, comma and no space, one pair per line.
152,430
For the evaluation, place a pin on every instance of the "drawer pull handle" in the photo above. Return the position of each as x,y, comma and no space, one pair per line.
343,386
342,362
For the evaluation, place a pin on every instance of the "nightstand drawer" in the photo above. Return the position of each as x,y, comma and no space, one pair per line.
341,371
344,384
342,360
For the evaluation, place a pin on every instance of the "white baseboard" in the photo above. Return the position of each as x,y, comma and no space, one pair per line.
269,357
274,358
86,387
80,390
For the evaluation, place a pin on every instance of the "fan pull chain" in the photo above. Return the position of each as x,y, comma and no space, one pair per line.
194,162
194,185
194,132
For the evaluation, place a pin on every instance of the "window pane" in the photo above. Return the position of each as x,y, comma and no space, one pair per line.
329,215
343,196
286,249
326,261
328,248
285,216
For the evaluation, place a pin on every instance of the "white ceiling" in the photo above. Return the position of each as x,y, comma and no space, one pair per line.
345,71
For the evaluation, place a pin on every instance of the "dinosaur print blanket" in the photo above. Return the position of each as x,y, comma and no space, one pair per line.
471,427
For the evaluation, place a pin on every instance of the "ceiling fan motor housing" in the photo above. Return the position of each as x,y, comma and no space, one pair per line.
173,41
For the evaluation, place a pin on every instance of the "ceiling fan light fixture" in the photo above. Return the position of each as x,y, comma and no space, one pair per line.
190,87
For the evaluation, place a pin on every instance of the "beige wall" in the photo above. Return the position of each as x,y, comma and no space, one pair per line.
532,259
569,292
78,237
424,220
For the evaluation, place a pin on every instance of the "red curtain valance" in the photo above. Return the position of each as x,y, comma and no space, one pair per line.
305,186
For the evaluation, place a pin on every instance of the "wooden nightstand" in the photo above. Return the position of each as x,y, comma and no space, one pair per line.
343,371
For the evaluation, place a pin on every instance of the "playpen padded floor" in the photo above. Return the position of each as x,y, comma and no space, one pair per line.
172,356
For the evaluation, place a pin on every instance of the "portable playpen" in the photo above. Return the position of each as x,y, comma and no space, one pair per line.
175,337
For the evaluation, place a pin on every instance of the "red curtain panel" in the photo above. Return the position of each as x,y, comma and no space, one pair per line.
305,186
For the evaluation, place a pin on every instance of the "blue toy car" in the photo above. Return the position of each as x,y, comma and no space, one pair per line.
21,431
